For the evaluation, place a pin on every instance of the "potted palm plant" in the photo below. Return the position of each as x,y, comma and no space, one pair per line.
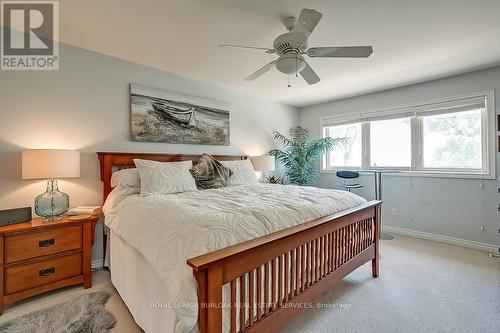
300,155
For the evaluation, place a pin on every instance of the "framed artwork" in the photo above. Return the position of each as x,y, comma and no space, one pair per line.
159,115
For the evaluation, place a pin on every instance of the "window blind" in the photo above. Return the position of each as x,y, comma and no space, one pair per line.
460,105
389,114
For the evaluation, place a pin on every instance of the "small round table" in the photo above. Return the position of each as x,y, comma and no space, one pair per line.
377,173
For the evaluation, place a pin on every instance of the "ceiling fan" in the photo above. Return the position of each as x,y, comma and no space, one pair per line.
292,46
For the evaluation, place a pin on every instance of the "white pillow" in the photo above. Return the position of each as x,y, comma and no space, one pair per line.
158,178
126,178
243,172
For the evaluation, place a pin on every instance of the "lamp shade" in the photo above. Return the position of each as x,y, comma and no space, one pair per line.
50,163
263,163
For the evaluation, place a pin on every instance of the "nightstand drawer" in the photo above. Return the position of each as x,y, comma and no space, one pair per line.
32,245
25,276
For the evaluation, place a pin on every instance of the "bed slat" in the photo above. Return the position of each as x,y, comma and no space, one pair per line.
242,302
251,299
259,293
234,305
274,283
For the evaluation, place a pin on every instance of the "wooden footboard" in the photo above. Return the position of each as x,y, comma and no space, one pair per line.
273,277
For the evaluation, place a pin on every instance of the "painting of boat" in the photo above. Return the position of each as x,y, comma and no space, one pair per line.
177,114
159,115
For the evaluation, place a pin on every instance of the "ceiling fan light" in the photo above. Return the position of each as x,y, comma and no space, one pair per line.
290,64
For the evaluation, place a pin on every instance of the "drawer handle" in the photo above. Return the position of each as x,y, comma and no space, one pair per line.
46,242
47,271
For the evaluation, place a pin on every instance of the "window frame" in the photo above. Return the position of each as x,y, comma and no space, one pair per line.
488,138
324,157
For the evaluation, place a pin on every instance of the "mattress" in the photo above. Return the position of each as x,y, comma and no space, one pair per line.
167,230
139,287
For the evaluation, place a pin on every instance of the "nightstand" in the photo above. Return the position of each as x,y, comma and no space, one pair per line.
39,256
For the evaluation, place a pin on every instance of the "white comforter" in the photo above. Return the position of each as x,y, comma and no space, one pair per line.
169,229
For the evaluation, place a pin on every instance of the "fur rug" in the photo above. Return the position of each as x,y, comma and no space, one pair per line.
84,314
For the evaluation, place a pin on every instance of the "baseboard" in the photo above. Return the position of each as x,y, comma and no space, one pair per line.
443,239
96,264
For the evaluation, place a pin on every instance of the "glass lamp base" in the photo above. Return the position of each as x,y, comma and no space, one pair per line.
52,204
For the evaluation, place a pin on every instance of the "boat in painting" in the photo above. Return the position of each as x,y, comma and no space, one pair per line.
180,114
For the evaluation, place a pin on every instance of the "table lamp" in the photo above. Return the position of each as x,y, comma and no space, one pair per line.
51,164
263,163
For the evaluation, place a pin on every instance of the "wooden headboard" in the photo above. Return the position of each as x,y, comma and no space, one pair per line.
110,162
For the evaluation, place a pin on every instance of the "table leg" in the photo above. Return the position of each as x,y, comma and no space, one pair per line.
378,196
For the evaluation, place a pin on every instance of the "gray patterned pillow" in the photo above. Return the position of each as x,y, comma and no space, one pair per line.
160,178
210,173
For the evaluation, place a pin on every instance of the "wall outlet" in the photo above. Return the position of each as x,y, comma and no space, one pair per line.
483,228
394,212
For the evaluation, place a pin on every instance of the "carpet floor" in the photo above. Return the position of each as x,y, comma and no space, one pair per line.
424,286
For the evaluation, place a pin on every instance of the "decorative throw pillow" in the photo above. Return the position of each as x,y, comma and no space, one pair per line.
243,172
210,173
158,178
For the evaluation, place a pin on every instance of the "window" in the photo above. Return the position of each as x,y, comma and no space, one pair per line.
349,153
390,143
452,140
453,137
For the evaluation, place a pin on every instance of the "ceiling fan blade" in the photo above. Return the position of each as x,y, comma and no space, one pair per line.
247,47
308,19
309,75
261,71
340,52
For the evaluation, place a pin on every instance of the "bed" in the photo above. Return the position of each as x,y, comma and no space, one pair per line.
251,279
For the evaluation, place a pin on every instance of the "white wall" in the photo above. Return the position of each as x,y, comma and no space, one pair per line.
449,207
85,106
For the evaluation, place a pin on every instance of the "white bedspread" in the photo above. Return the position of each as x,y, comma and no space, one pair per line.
169,229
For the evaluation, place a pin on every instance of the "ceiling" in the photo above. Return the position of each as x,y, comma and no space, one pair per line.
413,41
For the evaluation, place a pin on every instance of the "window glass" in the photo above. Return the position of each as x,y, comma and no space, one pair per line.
348,154
390,143
452,140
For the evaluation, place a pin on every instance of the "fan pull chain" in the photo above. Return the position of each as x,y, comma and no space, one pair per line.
296,67
289,85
